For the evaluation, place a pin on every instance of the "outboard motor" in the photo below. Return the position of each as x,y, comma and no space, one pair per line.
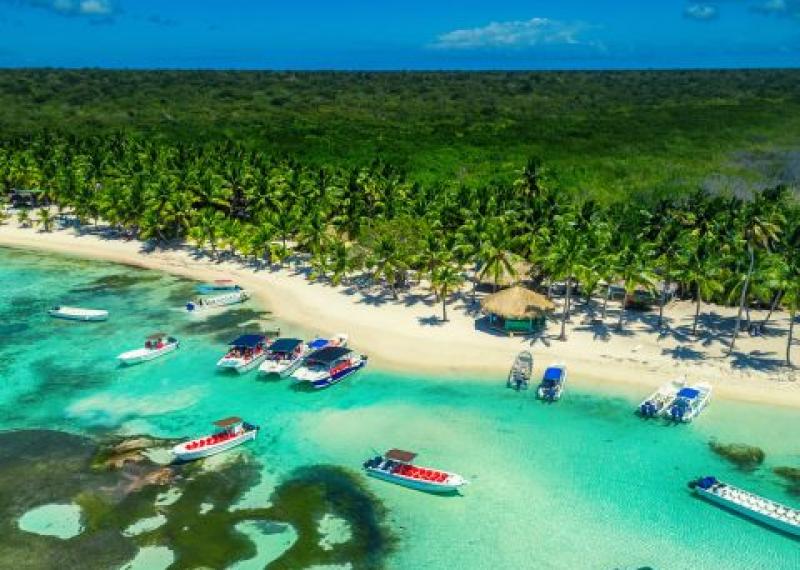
648,409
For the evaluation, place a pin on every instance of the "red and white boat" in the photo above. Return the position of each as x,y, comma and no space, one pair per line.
245,353
395,466
230,433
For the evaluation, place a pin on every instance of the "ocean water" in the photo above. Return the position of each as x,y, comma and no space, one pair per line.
580,484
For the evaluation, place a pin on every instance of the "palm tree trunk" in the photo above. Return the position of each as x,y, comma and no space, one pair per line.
444,305
662,302
775,301
605,301
565,314
742,300
697,311
792,315
622,310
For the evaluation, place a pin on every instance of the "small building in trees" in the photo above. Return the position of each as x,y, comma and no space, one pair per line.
27,198
517,310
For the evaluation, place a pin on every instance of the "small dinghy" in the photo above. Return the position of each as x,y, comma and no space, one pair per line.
157,344
218,286
246,352
78,314
329,366
520,375
229,433
767,512
660,400
395,466
552,384
284,356
689,402
225,300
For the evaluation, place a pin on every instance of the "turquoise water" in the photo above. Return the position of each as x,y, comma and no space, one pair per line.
580,484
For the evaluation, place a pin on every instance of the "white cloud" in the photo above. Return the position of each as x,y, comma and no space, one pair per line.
95,7
515,33
89,8
703,12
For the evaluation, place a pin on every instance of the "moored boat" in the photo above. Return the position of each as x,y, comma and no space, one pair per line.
224,300
217,286
552,385
78,314
284,356
689,402
339,339
155,345
245,353
660,400
395,466
765,511
329,366
520,374
229,433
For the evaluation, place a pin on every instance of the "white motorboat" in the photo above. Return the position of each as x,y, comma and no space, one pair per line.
157,344
329,366
552,385
245,353
224,300
660,400
395,466
229,433
78,314
689,402
764,511
520,374
284,356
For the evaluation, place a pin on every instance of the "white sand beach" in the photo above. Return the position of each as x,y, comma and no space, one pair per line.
408,335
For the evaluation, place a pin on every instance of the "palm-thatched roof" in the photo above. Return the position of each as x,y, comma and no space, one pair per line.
517,303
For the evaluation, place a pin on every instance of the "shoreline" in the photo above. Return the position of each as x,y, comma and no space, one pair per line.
406,335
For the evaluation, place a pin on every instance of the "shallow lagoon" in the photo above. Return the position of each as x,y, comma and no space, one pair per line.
580,484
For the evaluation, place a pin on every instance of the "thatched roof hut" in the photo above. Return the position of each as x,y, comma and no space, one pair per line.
517,303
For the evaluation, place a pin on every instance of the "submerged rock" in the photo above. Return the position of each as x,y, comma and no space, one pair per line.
740,454
791,475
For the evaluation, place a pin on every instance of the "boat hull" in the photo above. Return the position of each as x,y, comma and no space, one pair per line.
749,513
327,380
416,484
143,355
182,454
87,317
269,369
237,365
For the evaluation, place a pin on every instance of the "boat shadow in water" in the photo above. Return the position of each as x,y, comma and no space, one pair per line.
748,520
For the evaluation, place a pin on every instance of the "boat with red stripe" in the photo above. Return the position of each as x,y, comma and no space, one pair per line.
230,432
329,366
395,466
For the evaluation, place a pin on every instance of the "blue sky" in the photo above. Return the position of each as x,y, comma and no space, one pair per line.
413,34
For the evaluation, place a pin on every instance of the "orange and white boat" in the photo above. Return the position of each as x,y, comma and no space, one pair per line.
395,466
230,432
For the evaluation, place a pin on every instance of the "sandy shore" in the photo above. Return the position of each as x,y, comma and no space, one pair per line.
407,334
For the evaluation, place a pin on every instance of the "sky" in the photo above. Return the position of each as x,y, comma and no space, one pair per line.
392,35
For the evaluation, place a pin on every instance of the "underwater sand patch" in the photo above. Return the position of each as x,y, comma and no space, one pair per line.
60,521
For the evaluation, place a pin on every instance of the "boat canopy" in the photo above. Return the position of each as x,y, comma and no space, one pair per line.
318,343
156,336
553,373
400,455
329,354
228,422
285,345
248,340
688,393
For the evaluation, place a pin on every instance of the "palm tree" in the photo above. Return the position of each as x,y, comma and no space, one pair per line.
495,256
634,266
46,220
24,218
387,261
445,279
791,298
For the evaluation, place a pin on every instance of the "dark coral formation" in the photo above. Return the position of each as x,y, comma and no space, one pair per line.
742,455
792,477
116,485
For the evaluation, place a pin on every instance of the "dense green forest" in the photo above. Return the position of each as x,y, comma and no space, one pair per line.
604,133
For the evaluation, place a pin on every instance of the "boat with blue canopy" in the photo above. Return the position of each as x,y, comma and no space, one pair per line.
245,353
552,385
284,356
689,402
765,511
329,366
